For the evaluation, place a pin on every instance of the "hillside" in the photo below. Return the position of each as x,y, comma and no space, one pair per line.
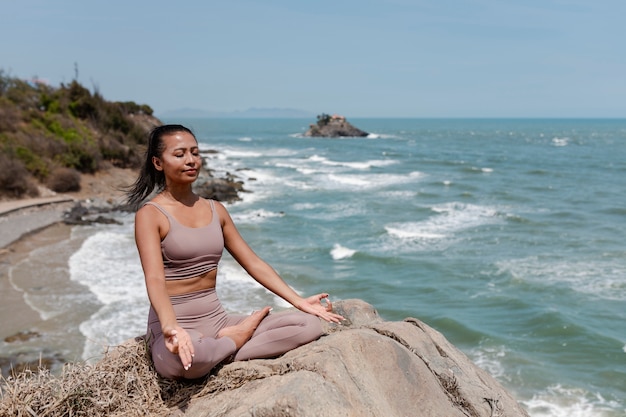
50,135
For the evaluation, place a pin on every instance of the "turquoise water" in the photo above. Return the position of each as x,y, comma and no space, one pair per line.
505,235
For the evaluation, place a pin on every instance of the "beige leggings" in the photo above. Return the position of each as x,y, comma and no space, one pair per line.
202,315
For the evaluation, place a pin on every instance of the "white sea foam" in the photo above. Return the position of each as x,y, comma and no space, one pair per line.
485,170
307,171
560,141
108,264
233,153
307,206
605,279
337,210
450,218
339,252
368,181
490,359
254,216
360,165
560,401
399,194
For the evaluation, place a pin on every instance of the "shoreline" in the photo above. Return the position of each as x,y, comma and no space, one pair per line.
29,225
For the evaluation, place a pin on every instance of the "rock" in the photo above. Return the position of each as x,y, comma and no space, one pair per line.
364,367
225,189
332,127
79,215
22,336
30,361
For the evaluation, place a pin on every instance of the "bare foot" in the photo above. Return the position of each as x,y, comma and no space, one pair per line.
243,331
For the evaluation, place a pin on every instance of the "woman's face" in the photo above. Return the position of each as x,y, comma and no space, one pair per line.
180,161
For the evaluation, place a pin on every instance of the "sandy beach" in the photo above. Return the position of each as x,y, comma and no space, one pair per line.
26,226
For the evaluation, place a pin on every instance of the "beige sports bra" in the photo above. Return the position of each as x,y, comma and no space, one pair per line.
191,251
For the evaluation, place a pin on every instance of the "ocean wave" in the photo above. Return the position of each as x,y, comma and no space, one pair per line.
339,252
602,278
561,401
255,216
560,141
449,219
360,165
368,181
108,264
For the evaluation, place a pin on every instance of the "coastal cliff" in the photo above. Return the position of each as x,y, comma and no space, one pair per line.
332,127
363,367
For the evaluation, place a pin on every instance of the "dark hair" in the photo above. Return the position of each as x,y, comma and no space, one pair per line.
149,177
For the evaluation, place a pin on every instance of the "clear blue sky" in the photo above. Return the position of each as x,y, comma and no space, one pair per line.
365,58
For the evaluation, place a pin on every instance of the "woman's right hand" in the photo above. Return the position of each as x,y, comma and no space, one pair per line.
178,341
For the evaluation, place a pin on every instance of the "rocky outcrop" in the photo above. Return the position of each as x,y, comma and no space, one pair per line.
332,127
224,189
364,367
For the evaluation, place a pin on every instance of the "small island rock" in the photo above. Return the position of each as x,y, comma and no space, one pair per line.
332,127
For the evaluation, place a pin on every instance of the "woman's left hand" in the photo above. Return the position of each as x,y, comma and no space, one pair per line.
313,305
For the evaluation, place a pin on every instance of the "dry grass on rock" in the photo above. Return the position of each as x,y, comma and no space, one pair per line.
123,383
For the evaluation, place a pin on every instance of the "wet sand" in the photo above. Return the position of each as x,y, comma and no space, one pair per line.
26,228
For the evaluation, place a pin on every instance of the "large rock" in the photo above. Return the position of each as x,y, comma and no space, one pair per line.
225,189
332,127
364,367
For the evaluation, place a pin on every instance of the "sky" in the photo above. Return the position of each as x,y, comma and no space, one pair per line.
365,58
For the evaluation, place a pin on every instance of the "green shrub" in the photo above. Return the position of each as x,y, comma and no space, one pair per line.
32,161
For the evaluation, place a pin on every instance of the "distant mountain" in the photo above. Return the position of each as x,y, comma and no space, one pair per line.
252,113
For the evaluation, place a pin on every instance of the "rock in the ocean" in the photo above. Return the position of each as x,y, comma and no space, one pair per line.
332,127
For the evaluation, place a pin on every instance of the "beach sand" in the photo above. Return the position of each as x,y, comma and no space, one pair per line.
27,226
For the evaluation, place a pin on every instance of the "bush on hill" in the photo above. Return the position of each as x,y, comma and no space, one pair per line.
44,128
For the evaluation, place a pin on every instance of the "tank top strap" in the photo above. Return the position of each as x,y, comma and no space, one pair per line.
161,209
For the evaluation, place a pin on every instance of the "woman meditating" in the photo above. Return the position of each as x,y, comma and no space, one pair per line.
180,238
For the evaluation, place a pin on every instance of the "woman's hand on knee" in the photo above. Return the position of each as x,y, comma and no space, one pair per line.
313,305
178,341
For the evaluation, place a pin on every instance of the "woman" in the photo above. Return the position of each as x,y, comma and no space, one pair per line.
180,237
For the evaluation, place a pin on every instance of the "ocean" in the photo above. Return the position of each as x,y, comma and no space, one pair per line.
507,236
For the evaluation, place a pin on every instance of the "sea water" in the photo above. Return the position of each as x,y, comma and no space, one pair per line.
505,235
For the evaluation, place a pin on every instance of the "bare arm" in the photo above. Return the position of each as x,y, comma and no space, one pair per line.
265,275
148,240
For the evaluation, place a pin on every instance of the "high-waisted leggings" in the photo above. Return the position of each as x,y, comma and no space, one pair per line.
201,314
